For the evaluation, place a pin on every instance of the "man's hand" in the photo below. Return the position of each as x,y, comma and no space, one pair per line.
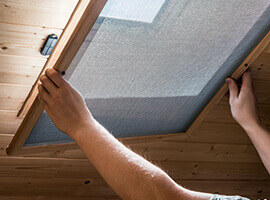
63,103
245,111
243,103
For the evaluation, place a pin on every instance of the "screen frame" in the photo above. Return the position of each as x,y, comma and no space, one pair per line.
85,15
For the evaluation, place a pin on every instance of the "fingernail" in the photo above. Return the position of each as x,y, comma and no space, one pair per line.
228,80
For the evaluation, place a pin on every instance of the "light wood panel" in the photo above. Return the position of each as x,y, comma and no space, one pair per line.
13,96
215,171
185,151
24,40
21,167
5,139
20,69
222,114
215,132
267,49
47,13
178,151
70,186
261,67
179,170
9,122
56,186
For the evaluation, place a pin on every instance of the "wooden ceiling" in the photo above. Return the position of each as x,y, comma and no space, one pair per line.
218,157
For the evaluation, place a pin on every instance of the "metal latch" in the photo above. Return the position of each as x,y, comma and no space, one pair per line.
49,45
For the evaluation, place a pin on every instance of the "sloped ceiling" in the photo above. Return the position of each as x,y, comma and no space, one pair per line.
218,157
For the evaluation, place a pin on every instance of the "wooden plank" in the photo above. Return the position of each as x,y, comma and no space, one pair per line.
68,154
54,186
261,67
20,34
48,13
179,170
207,152
215,171
13,96
263,98
24,40
222,133
267,49
207,132
78,168
9,122
5,139
97,188
21,49
62,197
177,151
19,69
222,114
75,32
262,88
241,69
30,167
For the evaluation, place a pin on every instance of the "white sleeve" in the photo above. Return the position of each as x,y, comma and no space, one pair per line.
223,197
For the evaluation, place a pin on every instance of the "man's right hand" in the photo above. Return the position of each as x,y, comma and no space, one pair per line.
63,103
243,103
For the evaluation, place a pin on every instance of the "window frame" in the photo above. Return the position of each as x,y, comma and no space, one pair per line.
78,27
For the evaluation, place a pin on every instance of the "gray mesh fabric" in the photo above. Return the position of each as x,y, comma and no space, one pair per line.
143,78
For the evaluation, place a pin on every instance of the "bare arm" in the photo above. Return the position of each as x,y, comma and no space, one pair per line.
128,174
245,111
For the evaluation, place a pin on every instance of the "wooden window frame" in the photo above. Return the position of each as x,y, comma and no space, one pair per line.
79,25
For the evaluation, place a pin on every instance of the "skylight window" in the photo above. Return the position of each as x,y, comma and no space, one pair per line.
133,10
155,78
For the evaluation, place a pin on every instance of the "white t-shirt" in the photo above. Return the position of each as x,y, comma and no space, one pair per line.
223,197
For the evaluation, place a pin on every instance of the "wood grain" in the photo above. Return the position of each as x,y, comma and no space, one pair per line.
13,96
9,122
24,40
179,170
41,13
222,114
19,69
261,67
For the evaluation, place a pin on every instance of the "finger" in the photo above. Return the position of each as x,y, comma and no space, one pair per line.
232,88
43,103
247,80
48,84
55,77
43,93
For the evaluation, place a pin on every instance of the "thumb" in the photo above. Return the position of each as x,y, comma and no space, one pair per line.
232,88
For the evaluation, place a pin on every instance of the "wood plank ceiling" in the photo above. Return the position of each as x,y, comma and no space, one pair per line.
24,26
218,157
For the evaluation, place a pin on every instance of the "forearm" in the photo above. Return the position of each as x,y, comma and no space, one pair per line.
131,176
260,137
128,174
